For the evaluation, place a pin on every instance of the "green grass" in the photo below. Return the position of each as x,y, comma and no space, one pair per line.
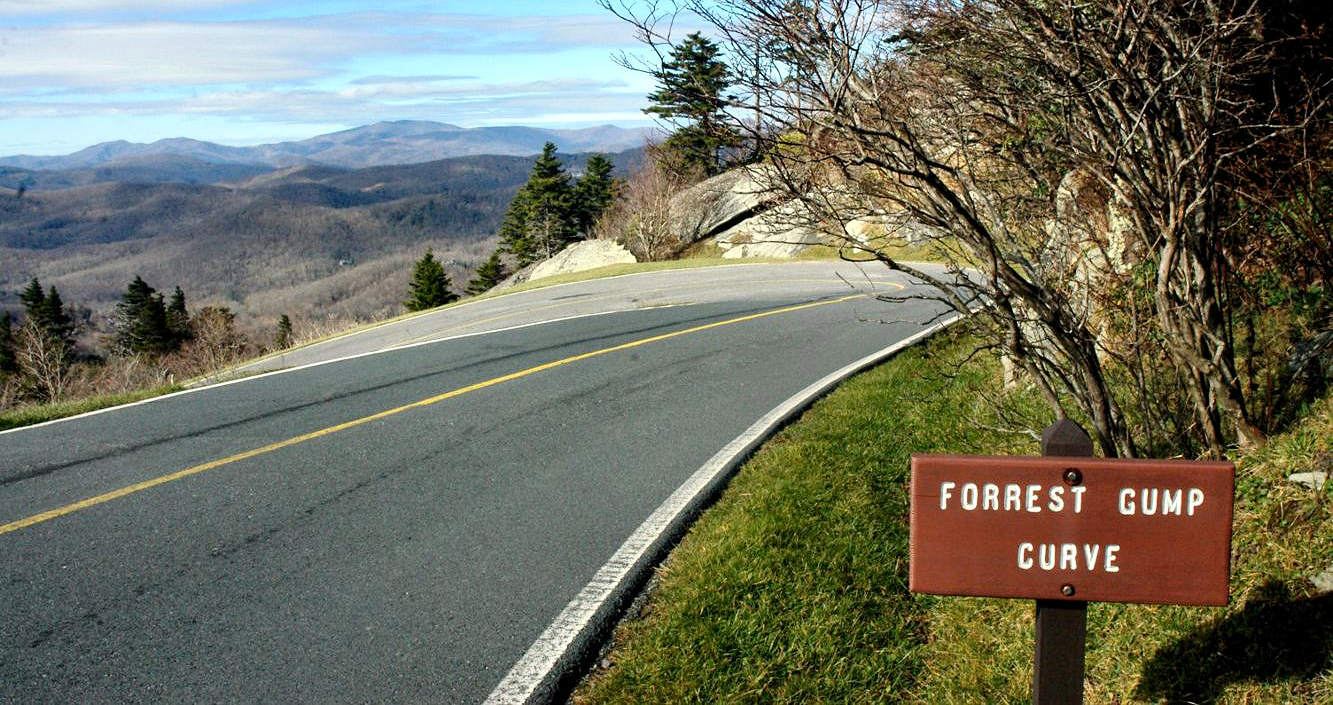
901,253
1273,644
616,270
41,413
793,588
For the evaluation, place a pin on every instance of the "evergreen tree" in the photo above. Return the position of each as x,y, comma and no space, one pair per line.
178,318
140,322
490,273
282,339
692,95
53,319
47,311
33,298
8,362
514,231
47,344
593,193
430,285
540,219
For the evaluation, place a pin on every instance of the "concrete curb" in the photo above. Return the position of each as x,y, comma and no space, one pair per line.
553,662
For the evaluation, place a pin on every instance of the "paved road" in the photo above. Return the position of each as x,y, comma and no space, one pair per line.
397,527
742,282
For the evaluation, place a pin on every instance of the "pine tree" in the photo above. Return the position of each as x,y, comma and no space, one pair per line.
178,318
46,310
692,95
8,362
490,273
593,193
140,322
45,354
513,232
550,225
430,285
33,298
540,219
55,320
282,339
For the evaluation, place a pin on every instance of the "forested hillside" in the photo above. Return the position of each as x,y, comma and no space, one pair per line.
311,241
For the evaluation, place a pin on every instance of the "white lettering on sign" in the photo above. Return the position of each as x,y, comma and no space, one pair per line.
1010,497
1154,501
1068,556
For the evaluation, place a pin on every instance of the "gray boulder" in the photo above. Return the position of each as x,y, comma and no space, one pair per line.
582,256
710,207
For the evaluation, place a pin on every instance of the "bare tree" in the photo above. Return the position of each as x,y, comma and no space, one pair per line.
216,342
44,361
640,218
1070,160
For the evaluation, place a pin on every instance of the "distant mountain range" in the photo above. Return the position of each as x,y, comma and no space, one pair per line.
320,229
380,144
312,241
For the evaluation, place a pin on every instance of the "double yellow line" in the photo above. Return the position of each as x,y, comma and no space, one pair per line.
214,464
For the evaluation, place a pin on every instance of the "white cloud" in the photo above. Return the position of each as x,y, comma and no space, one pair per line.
186,53
29,8
470,103
174,53
376,80
351,67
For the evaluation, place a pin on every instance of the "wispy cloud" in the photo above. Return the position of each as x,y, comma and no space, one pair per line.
360,65
516,102
176,53
24,8
172,54
375,80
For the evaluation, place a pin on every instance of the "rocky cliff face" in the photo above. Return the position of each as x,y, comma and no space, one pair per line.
745,216
713,206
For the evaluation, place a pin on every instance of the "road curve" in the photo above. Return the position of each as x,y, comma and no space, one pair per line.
399,526
730,283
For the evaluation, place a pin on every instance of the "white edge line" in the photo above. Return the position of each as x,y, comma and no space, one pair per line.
479,300
319,363
384,324
561,648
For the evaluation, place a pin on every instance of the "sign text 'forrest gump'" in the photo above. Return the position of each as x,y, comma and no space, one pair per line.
1086,529
1065,529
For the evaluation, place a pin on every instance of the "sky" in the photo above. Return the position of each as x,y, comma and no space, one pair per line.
78,72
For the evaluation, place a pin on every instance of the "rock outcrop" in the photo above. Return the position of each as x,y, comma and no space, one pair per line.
582,256
780,232
744,216
712,206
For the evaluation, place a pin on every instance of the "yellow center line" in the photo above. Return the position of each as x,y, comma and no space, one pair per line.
214,464
582,300
491,319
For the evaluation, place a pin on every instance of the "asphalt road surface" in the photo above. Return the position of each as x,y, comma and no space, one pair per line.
398,526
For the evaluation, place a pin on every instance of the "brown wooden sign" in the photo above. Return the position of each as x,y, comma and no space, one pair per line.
1079,529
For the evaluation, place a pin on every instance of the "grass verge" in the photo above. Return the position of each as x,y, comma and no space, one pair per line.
41,413
793,588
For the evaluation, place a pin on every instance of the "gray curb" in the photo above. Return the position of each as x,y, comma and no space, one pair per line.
553,662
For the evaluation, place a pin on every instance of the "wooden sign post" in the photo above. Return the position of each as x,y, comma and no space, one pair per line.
1066,529
1062,627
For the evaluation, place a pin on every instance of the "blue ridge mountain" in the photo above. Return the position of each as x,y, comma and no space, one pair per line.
380,144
